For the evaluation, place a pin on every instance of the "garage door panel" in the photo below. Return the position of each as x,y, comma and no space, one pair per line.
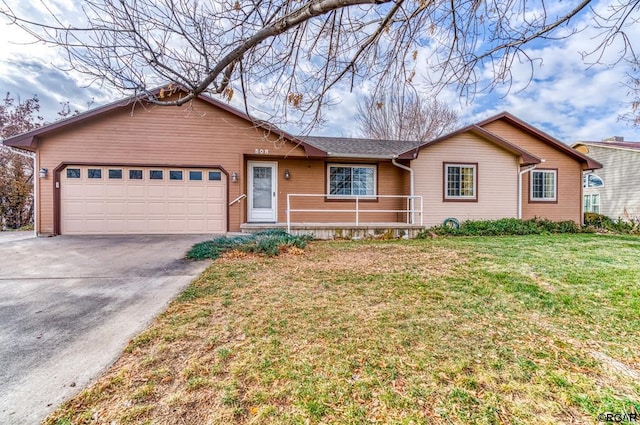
116,226
94,225
176,208
136,209
94,191
212,225
74,226
157,226
174,192
137,226
196,209
156,208
93,207
195,192
194,225
116,208
116,190
215,192
136,191
141,206
74,208
176,225
154,190
214,209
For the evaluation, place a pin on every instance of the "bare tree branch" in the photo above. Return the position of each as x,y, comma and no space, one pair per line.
294,53
404,116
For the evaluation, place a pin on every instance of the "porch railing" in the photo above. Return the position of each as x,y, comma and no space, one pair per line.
412,210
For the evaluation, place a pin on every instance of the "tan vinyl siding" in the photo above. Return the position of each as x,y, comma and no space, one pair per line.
197,134
569,176
309,176
496,185
620,195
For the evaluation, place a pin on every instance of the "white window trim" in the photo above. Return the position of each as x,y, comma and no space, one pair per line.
589,205
555,186
375,181
446,182
586,184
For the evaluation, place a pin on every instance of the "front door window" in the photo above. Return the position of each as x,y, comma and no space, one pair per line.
262,188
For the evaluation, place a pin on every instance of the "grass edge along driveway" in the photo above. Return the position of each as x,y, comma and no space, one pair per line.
536,329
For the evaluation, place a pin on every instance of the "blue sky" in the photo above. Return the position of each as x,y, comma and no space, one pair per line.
566,98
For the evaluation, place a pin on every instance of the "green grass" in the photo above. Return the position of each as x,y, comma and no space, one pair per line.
462,330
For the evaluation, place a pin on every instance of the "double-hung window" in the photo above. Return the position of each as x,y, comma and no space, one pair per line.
543,186
592,203
460,182
347,180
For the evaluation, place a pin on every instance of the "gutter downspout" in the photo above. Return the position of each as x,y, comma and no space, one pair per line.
411,186
520,174
35,182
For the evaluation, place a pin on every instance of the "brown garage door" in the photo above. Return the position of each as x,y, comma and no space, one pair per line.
142,200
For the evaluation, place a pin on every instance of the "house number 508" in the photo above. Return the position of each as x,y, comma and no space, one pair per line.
262,151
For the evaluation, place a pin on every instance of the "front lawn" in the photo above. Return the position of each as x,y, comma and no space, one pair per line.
533,329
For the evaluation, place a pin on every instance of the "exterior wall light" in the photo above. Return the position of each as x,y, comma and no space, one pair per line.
234,177
43,173
287,174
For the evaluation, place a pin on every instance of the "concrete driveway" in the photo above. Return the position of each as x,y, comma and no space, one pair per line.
69,305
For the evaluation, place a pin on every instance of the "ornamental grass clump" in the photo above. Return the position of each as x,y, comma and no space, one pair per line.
268,242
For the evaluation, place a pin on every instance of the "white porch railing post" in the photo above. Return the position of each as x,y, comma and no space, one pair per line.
288,213
421,211
357,211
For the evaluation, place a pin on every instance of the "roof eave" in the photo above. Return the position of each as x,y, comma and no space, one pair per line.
26,143
359,156
527,158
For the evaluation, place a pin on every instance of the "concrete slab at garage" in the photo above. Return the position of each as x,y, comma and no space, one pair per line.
69,306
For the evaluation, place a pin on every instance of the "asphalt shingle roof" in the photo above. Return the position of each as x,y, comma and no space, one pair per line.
338,146
624,145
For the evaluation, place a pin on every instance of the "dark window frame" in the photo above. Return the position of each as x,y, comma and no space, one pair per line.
110,176
91,173
136,170
72,171
151,174
446,197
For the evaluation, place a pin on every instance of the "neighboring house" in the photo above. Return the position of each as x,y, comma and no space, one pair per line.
131,167
615,189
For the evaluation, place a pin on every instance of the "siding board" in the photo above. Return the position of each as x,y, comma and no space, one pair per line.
497,183
620,195
569,189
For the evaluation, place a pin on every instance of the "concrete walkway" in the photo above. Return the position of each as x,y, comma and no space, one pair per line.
69,306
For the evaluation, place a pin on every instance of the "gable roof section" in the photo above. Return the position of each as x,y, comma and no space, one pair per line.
359,148
527,158
590,163
28,139
632,146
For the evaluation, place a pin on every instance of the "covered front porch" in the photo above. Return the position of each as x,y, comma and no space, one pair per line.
350,220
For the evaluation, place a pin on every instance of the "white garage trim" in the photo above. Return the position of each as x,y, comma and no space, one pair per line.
140,199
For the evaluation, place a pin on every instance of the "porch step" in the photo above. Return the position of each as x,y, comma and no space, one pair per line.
325,231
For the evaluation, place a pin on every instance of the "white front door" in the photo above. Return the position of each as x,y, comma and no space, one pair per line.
262,191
